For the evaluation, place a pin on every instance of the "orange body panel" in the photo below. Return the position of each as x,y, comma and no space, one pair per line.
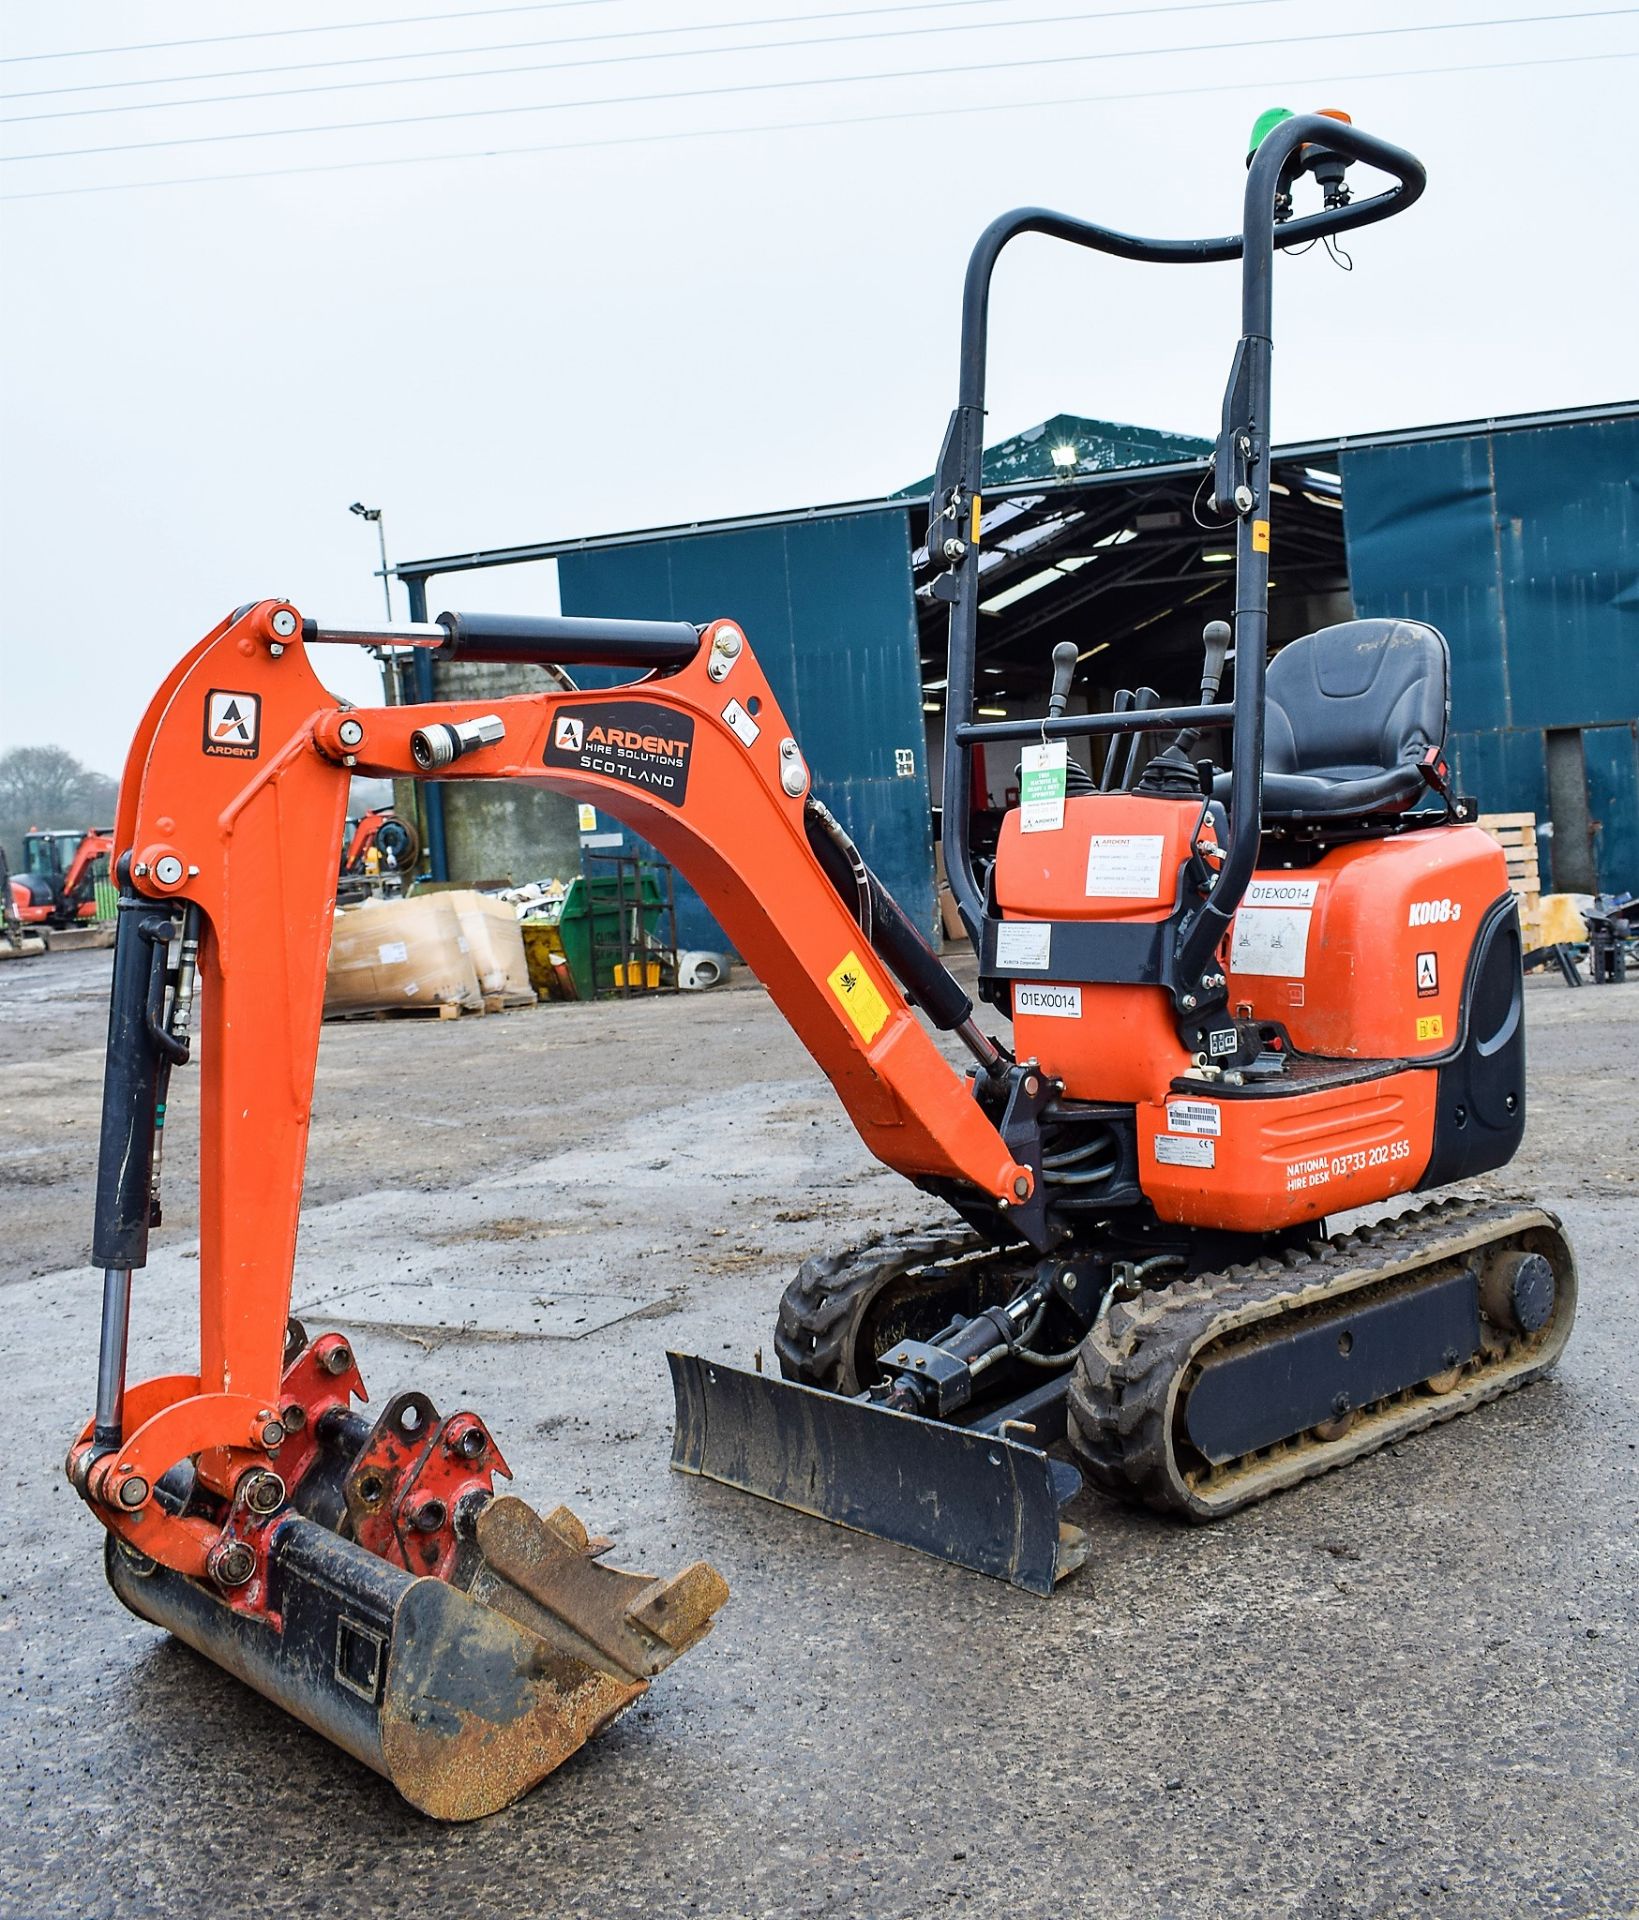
1255,1164
1361,956
1104,1042
1377,935
239,774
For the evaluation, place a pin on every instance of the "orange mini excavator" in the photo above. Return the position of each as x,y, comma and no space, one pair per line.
1241,1000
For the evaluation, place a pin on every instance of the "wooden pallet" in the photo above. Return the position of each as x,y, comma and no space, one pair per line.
437,1009
1516,834
417,1010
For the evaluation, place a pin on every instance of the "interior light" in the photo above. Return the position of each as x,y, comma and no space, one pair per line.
991,713
1218,559
1034,584
932,706
1088,652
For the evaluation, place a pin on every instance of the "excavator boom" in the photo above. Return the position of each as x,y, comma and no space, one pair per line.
220,1487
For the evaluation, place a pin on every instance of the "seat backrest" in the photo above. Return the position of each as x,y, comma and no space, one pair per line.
1364,697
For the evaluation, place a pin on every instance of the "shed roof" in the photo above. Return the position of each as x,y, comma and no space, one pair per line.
1100,446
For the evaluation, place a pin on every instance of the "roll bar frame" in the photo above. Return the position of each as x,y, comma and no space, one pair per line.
1241,462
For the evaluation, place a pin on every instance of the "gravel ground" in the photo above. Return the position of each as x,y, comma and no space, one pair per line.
1410,1688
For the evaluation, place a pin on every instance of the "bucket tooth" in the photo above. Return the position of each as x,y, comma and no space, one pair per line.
544,1574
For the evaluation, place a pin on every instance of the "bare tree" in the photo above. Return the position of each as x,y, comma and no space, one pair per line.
48,787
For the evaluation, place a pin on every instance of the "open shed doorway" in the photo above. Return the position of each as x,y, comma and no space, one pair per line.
1130,565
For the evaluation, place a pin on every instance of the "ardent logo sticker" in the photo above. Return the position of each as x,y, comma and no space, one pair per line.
630,740
233,724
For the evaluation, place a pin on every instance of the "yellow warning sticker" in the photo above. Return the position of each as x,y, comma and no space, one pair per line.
976,516
1431,1027
1260,536
854,987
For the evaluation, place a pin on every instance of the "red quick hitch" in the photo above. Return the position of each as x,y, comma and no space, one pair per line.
418,1484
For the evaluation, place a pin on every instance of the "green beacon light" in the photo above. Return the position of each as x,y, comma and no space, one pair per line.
1263,126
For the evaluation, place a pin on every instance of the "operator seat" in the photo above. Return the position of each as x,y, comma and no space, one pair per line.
1352,710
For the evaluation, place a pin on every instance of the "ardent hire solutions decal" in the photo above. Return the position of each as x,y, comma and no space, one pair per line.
631,740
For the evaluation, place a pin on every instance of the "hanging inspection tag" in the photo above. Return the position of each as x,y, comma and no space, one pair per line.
1042,778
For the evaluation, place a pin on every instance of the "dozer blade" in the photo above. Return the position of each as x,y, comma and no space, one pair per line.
978,1499
463,1698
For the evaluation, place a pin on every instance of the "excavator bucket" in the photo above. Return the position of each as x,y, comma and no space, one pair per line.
973,1495
457,1642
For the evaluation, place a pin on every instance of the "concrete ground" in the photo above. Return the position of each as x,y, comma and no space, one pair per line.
1410,1688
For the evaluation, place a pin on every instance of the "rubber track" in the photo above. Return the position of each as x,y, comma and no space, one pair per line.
1124,1392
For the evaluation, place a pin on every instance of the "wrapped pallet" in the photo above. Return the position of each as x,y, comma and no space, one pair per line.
490,928
393,954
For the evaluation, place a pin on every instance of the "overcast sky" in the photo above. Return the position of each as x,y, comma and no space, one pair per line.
720,271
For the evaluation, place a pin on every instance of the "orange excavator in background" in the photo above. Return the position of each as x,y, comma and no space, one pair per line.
17,942
61,867
1241,1000
392,838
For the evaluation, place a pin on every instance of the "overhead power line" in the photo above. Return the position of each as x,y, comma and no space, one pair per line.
502,46
720,132
286,33
742,88
513,68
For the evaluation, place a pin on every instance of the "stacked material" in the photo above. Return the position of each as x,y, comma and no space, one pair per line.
442,953
490,928
1516,834
392,954
1546,919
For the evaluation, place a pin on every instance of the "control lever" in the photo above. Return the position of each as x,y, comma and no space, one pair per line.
1144,701
1172,772
1122,703
1064,671
1215,638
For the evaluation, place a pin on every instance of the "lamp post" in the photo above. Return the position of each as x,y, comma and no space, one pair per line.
374,513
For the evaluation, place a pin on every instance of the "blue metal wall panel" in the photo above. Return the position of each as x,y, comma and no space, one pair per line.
1507,772
829,609
1523,548
1567,505
1612,756
1422,543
